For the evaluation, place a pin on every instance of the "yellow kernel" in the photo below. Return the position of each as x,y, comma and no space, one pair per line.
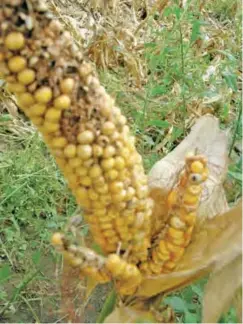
172,198
197,167
130,193
112,174
81,193
190,199
15,87
62,102
95,171
107,164
57,240
119,196
170,265
84,151
82,171
50,127
163,248
175,233
109,151
17,64
86,137
43,94
103,189
70,151
100,181
115,187
142,192
59,142
190,219
97,150
93,195
175,256
14,41
25,99
172,248
67,85
108,128
163,256
37,110
109,233
119,163
74,162
86,181
26,76
124,152
37,121
101,212
115,265
53,115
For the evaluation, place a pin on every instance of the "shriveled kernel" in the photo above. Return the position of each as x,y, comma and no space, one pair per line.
108,128
59,142
194,189
25,99
177,223
172,198
17,64
14,41
111,174
57,239
67,85
53,115
197,167
15,87
109,151
107,164
95,171
86,137
82,171
70,151
84,151
116,187
43,94
190,219
50,127
142,192
37,110
119,163
26,76
97,150
62,102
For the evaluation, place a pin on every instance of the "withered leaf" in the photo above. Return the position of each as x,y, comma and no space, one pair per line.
130,315
220,290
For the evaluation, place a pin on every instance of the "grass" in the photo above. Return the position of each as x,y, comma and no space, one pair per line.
193,64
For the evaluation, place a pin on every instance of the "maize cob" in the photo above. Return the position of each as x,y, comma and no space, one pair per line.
80,124
183,202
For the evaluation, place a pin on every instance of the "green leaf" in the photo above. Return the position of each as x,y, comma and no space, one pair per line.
231,80
191,318
196,30
176,303
108,307
36,257
159,123
5,272
158,90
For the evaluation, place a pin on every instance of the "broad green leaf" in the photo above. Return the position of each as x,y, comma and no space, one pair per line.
177,303
5,272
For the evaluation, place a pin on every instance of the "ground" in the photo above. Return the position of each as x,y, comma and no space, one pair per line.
191,66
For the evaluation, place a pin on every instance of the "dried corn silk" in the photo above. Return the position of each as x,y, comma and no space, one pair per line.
83,129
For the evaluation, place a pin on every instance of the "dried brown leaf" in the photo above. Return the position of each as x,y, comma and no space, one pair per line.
130,315
214,244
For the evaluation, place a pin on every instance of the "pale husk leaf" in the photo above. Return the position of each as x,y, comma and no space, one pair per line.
220,290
